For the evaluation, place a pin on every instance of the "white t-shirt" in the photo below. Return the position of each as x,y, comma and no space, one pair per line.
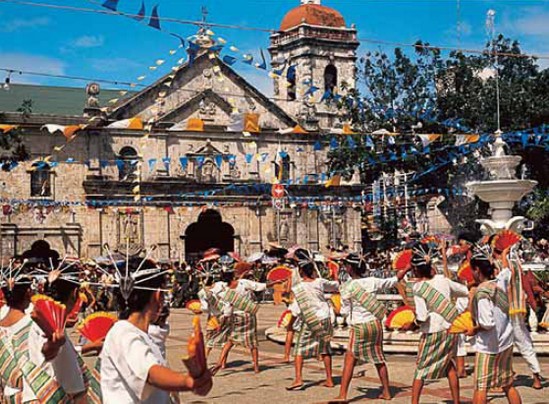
496,333
358,314
316,290
127,356
159,335
431,322
64,367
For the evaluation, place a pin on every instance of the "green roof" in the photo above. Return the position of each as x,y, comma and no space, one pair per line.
50,99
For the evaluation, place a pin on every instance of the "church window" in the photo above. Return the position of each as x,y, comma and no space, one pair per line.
128,159
292,79
330,78
41,176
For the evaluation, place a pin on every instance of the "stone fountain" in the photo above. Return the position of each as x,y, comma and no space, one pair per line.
502,190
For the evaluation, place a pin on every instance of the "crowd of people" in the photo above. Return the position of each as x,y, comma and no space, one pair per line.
132,366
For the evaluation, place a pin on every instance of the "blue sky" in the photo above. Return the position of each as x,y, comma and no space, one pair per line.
114,47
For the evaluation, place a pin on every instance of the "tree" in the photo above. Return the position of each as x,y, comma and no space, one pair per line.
428,94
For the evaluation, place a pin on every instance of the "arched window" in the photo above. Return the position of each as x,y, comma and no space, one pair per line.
282,168
128,159
41,180
291,77
330,78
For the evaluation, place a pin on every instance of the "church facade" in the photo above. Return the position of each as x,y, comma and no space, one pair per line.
198,173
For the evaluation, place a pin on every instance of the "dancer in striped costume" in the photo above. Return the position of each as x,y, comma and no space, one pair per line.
434,314
212,303
364,313
493,331
512,272
240,313
310,305
22,381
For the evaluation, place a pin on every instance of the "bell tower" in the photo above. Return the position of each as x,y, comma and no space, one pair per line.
313,48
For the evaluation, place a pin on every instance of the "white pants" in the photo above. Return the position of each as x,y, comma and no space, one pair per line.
523,343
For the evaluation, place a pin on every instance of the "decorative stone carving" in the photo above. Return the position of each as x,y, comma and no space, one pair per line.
92,107
206,109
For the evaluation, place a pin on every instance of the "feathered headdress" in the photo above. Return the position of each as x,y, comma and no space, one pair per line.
355,259
305,257
13,275
422,254
482,252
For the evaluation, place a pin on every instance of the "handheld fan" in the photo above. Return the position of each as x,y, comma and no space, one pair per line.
465,273
334,269
284,319
280,273
194,306
462,324
49,314
336,302
402,260
73,314
196,361
96,326
213,323
400,317
505,239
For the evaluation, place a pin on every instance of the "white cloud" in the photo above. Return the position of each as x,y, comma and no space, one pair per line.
259,79
88,41
30,62
20,23
533,21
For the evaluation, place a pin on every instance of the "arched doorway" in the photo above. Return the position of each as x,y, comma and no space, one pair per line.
209,231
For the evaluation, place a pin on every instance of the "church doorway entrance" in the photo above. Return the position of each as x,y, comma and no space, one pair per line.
209,231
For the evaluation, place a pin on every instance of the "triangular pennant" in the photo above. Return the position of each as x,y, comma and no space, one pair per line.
154,22
141,14
111,5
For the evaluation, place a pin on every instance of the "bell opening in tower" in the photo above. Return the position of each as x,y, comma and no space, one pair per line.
330,78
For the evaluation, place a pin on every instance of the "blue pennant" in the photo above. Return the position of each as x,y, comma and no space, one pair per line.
263,64
154,22
141,14
111,4
181,39
229,60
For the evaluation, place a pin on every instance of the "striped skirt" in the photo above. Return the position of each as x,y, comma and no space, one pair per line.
243,330
366,342
216,338
493,370
310,345
436,353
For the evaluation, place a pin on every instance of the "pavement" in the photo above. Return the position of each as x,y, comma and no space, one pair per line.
238,384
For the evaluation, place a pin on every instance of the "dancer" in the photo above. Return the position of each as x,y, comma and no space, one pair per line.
132,366
493,330
310,305
240,313
211,301
517,314
365,314
435,313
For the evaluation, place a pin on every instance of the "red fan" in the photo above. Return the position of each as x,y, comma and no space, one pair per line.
403,260
505,239
280,273
400,317
284,319
49,314
73,314
96,326
334,269
465,272
196,361
194,306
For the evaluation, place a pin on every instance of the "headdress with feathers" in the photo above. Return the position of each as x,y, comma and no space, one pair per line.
14,275
423,254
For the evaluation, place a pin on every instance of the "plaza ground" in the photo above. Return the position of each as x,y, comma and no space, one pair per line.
239,384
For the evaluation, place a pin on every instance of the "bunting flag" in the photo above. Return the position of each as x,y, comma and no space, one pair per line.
279,164
154,22
369,142
152,164
263,64
167,161
131,123
466,139
111,5
68,131
7,128
234,49
347,130
333,143
141,14
317,146
311,91
426,140
297,130
218,160
248,59
229,60
351,142
181,40
334,181
195,125
184,161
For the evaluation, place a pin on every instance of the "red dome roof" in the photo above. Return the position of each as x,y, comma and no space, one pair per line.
312,14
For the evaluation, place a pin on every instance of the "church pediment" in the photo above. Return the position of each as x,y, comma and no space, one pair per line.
207,89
